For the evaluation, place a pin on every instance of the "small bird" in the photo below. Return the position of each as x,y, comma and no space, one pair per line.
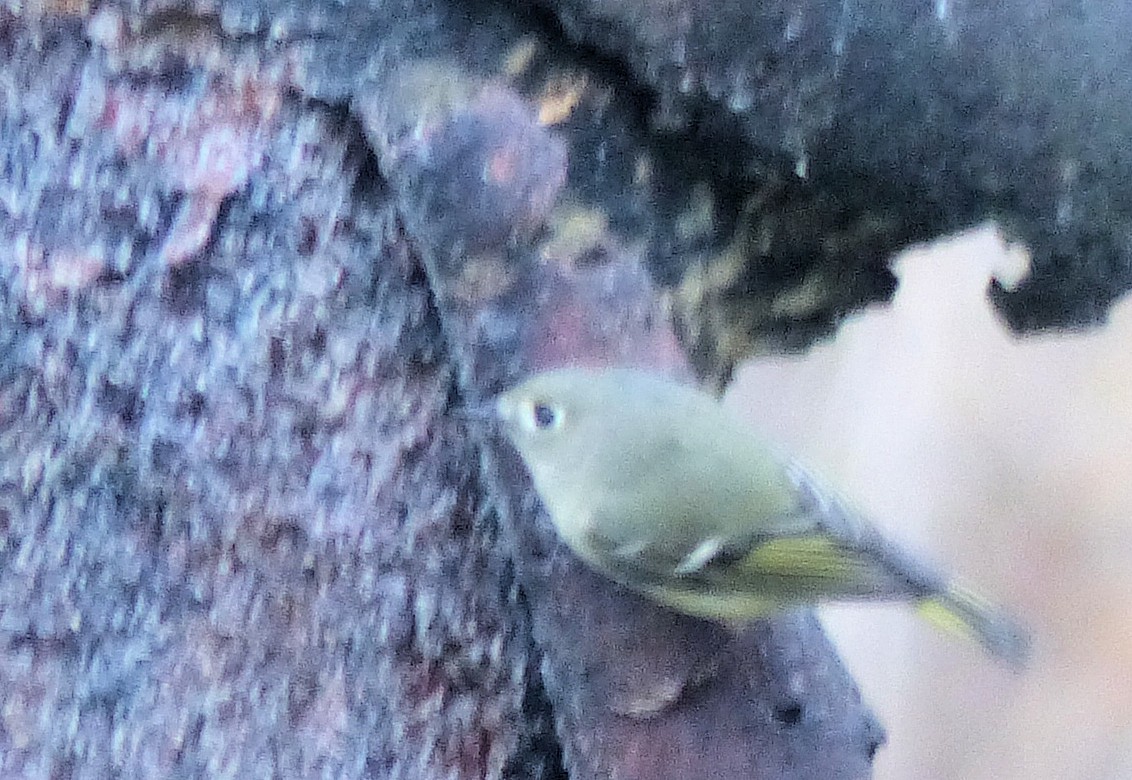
657,487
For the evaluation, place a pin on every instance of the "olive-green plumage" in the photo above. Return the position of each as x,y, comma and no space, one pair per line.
658,487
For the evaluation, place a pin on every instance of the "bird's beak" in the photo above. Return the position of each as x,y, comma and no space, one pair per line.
482,413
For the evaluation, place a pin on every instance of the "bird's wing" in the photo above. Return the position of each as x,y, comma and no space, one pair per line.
821,548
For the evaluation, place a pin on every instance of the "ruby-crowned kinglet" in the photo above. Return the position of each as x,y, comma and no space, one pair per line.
656,486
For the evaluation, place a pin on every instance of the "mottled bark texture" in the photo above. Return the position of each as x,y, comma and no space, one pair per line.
251,255
239,534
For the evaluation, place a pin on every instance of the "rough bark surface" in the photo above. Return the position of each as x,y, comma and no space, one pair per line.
909,120
251,254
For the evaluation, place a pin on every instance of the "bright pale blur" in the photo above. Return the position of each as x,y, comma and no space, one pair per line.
1007,459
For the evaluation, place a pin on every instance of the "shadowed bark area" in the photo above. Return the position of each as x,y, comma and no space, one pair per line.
252,253
908,120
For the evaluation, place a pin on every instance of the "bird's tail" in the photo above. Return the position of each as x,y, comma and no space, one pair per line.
958,610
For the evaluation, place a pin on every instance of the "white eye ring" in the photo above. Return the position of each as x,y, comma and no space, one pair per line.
543,416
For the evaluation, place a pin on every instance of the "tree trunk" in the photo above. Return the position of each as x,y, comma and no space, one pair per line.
252,256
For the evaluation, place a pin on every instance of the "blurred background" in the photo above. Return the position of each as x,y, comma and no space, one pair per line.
1008,460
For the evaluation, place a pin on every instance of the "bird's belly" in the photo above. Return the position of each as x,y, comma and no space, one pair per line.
717,605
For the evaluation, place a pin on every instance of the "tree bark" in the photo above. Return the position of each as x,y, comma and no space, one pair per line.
251,256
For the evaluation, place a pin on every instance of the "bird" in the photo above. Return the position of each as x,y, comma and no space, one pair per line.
656,486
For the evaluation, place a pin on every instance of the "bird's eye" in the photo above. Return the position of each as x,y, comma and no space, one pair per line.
544,415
